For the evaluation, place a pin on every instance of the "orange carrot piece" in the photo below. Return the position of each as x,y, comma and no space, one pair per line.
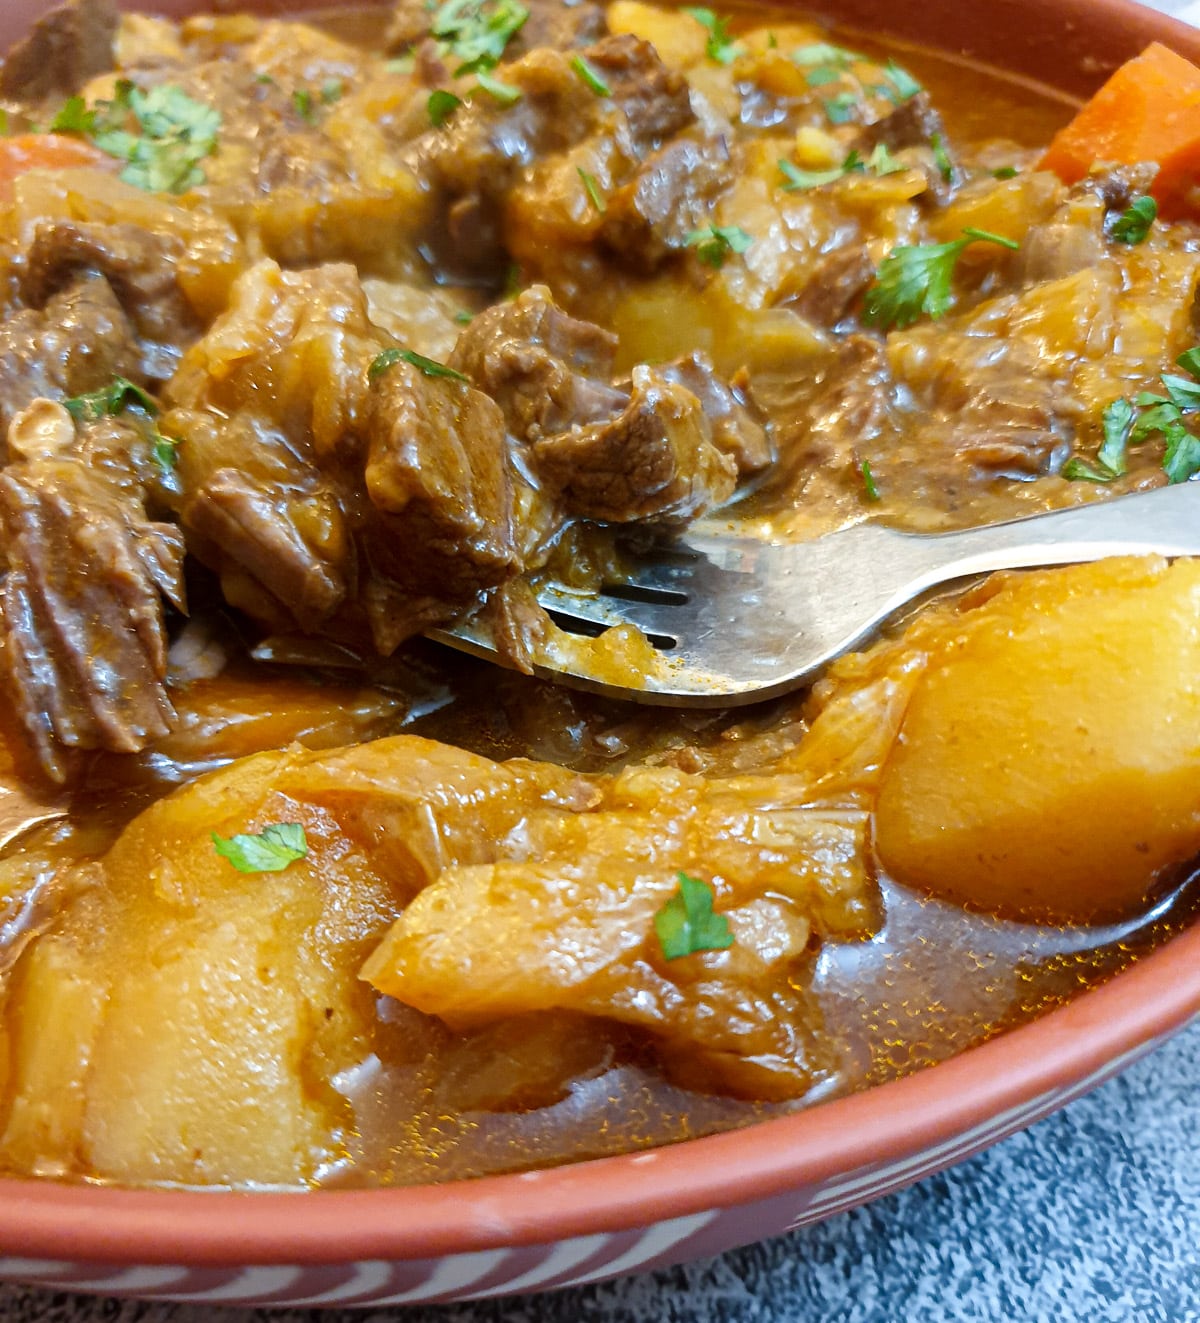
1149,110
44,151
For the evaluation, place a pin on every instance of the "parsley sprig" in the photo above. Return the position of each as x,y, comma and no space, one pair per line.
714,244
476,32
1134,223
880,162
720,46
686,924
915,280
268,851
1129,423
161,134
592,189
428,367
119,395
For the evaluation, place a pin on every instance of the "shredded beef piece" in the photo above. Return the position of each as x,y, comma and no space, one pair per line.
650,217
837,282
545,369
77,343
914,123
85,651
140,268
256,524
67,47
738,427
654,461
436,473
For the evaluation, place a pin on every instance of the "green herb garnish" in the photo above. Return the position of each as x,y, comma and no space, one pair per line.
115,398
870,490
798,179
882,162
332,89
1134,223
1181,459
268,851
1006,172
686,924
593,190
430,367
441,105
720,45
302,101
915,280
163,450
476,32
822,53
941,157
906,86
590,76
74,117
505,93
1117,421
821,75
842,108
714,244
173,135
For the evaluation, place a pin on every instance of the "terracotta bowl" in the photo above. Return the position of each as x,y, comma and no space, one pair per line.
594,1220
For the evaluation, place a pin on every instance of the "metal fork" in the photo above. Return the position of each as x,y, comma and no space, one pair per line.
736,619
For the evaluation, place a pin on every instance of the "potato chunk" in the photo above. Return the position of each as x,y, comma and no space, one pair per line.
1046,766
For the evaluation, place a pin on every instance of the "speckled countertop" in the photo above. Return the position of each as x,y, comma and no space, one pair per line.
1092,1214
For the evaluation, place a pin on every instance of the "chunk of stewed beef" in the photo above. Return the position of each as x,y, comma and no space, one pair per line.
140,267
559,24
82,604
64,49
78,342
475,160
437,477
650,217
546,370
653,461
739,428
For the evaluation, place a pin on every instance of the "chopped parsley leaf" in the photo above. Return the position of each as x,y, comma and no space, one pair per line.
119,395
1181,459
1135,221
1182,393
505,93
590,76
1189,360
163,451
720,46
464,317
74,117
173,135
797,178
476,32
822,53
822,74
428,366
870,489
268,851
441,105
941,157
882,162
332,89
1006,172
841,109
303,102
592,189
1078,469
1117,422
714,244
915,280
686,924
906,86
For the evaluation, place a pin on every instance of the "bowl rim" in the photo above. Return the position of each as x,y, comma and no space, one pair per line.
1158,994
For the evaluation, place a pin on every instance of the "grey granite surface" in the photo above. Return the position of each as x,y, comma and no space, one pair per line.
1090,1215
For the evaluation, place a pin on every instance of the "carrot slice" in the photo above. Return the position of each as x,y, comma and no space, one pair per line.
44,151
1149,110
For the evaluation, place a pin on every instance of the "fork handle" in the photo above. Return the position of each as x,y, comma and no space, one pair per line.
1164,522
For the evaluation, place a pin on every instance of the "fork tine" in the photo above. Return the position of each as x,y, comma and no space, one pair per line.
607,610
